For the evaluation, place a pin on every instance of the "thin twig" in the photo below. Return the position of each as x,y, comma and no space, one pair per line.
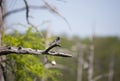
22,9
27,11
54,10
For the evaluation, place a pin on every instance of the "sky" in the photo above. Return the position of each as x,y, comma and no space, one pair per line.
84,16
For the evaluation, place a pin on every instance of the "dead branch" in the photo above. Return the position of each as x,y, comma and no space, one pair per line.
27,11
22,9
19,50
54,10
28,7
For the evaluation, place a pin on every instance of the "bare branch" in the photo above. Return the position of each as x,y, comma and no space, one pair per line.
28,7
20,50
4,50
22,9
54,10
27,11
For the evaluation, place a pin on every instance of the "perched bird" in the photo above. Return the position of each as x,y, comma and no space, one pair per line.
56,41
53,44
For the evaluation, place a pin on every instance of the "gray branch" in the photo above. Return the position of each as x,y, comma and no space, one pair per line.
20,50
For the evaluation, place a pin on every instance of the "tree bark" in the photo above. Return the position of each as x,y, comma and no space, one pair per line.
80,63
111,68
2,67
91,60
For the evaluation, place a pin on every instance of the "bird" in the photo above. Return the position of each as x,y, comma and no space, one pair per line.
56,41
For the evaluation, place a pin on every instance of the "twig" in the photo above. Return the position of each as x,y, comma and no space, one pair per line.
22,9
27,11
54,10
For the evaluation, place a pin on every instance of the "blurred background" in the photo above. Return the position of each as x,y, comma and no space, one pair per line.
89,31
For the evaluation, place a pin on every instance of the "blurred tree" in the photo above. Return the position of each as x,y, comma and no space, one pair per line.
27,67
2,65
105,63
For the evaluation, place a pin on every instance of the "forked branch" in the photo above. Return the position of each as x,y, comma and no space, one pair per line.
20,50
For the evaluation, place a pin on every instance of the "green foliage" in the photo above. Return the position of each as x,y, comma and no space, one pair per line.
30,67
27,67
